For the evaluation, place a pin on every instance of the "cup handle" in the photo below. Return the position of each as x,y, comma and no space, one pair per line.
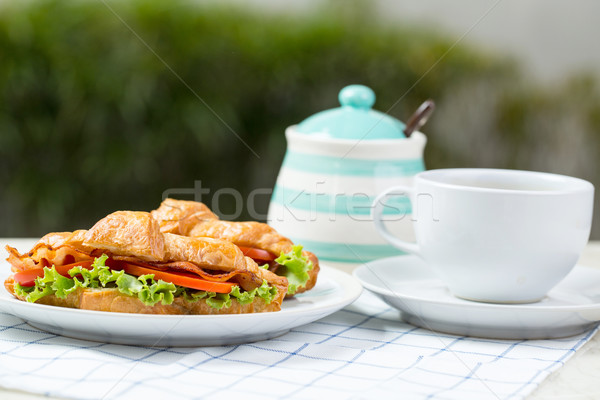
378,205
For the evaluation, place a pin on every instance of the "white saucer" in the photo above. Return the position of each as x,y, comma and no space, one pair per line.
408,284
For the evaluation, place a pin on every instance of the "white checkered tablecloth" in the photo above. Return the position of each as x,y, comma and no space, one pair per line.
362,351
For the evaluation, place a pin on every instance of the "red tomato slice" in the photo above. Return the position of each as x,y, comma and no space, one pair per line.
257,254
27,278
181,279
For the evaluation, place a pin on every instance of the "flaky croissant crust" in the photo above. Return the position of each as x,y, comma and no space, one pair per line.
247,234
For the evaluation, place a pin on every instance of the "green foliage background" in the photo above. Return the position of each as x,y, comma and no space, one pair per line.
106,107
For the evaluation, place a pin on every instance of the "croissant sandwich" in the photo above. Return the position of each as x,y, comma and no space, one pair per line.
179,259
258,241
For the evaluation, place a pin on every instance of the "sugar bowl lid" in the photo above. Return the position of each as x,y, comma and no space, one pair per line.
354,119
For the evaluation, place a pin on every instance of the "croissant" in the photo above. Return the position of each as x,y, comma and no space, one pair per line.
146,270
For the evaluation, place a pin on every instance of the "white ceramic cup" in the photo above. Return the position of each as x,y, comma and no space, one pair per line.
501,236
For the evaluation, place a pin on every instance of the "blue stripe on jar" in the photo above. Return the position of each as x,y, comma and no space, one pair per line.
354,253
352,166
356,204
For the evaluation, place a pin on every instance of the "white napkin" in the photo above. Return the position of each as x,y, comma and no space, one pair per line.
362,351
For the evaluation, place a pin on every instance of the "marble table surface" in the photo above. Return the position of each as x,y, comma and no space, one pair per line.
579,378
576,380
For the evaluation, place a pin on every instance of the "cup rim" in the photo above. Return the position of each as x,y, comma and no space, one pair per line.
571,184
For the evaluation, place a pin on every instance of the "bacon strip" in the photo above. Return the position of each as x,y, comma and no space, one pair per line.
17,260
43,256
185,266
181,266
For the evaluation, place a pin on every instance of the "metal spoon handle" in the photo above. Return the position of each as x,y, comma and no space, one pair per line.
420,117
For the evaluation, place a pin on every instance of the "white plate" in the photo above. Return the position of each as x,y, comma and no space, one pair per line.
334,290
408,284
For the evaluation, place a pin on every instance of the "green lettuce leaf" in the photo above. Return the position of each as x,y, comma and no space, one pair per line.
242,297
23,291
50,283
218,300
264,291
295,267
32,293
145,288
193,296
62,286
99,276
129,284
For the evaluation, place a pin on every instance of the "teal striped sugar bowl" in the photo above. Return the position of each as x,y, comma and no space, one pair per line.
336,163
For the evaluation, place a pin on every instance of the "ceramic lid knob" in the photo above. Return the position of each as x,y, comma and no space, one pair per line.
357,96
355,119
